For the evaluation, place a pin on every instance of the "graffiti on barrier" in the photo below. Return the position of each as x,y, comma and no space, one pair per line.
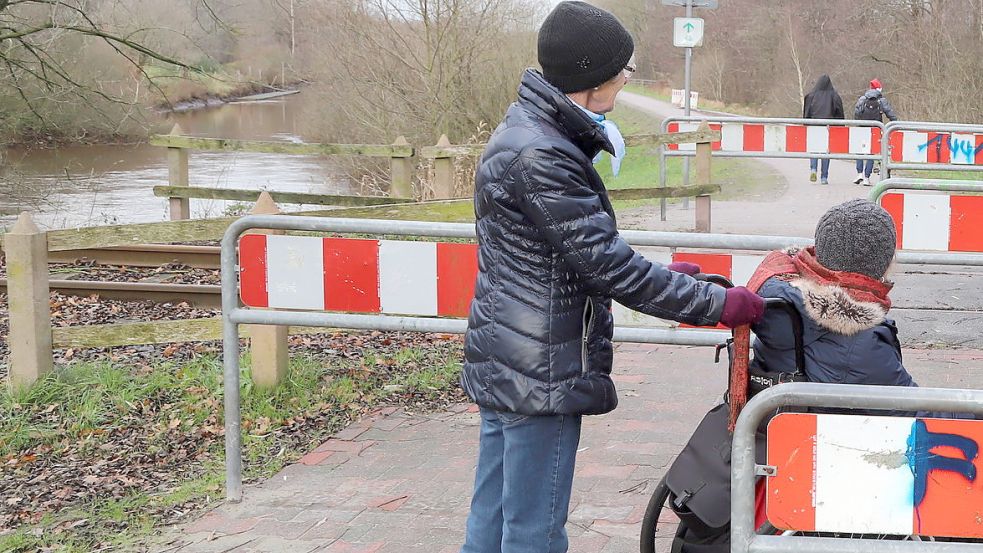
960,149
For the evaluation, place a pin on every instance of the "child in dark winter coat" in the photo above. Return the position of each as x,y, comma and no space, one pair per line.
840,288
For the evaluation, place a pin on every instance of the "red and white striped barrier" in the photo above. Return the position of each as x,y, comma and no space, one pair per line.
875,475
737,268
401,277
778,138
911,146
936,221
360,276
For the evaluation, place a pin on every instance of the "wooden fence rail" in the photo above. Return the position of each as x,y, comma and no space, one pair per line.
402,158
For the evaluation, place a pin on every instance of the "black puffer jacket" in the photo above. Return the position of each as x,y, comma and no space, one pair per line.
549,259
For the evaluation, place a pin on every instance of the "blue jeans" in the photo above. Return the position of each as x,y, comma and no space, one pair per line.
523,483
865,170
814,164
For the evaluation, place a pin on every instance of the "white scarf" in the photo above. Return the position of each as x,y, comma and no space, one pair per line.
614,135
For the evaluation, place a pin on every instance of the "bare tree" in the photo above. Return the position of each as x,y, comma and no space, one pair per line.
42,70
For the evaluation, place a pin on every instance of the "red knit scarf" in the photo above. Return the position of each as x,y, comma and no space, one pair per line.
789,265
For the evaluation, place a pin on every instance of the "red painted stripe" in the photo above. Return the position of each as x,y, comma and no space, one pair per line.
457,270
351,275
897,146
716,146
673,127
938,148
839,140
894,205
979,149
875,137
952,503
754,138
792,450
252,271
710,263
966,225
795,138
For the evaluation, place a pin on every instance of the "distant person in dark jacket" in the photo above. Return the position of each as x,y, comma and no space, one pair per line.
872,106
822,103
840,288
538,349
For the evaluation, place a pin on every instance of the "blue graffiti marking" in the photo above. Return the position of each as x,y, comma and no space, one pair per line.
958,148
922,461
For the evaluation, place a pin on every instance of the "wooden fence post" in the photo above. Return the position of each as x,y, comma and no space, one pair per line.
704,153
268,344
443,171
177,172
401,184
26,248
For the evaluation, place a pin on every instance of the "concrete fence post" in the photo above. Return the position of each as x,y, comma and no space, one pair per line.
177,173
443,170
401,183
26,248
704,155
267,344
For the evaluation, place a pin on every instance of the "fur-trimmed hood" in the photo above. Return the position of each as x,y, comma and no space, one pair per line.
832,308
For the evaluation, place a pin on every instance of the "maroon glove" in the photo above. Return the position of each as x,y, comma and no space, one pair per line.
684,267
742,307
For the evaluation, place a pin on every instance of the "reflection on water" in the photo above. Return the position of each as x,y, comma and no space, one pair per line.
93,185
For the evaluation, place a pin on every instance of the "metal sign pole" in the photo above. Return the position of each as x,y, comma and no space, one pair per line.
687,86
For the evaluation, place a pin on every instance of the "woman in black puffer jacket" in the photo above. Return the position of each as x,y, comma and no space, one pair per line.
538,348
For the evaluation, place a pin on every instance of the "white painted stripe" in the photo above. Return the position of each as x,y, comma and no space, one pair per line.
743,267
295,272
861,140
774,138
817,140
688,127
408,277
963,149
624,316
732,137
863,482
926,221
914,147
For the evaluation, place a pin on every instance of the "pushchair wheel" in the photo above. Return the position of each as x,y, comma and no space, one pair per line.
650,524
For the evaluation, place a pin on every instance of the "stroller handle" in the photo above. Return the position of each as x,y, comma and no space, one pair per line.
780,304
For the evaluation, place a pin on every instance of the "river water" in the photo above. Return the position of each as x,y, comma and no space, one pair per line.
113,184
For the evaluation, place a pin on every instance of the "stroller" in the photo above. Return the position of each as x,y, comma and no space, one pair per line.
697,485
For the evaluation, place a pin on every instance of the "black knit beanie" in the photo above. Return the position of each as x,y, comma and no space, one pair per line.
581,46
857,236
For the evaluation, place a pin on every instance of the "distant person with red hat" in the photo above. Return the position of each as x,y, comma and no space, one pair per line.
872,106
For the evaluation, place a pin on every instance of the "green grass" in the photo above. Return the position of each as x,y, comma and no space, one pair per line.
80,411
941,175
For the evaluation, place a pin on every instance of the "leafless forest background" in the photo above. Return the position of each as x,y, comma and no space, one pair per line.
768,54
78,69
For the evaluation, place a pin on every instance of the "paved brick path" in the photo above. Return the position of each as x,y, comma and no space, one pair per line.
402,483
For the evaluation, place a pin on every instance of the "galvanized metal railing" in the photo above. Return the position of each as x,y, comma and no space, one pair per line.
941,141
234,315
837,396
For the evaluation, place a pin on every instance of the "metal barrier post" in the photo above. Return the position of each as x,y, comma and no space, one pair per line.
845,396
230,363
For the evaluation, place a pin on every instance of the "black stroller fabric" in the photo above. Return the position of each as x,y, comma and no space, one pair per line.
699,480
